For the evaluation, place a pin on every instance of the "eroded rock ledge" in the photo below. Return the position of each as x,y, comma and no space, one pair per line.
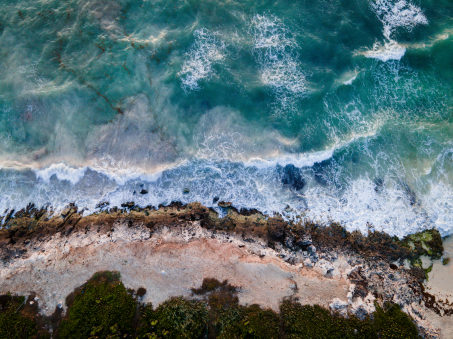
170,250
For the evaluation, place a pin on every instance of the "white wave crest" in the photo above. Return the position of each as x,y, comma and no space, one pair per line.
350,80
390,51
298,160
362,207
393,15
62,172
206,50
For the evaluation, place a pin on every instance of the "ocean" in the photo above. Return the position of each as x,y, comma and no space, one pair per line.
325,110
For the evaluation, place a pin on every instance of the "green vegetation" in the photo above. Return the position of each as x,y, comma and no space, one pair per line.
303,321
175,318
16,321
428,242
392,323
445,261
104,308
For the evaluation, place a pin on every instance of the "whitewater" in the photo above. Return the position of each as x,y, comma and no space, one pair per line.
328,112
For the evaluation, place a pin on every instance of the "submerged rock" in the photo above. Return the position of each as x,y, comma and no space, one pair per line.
292,177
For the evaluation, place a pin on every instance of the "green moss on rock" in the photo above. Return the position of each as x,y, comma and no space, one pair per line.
428,242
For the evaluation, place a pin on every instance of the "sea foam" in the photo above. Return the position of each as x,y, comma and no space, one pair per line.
204,52
275,51
394,15
62,172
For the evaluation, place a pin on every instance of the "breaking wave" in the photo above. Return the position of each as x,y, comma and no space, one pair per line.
394,15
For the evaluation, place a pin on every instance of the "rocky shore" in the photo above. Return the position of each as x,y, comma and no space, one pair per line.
170,251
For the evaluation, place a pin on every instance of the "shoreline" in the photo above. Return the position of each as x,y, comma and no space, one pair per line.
268,258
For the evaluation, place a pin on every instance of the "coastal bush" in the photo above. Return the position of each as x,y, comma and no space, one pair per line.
228,319
249,322
14,324
393,323
175,318
102,308
305,321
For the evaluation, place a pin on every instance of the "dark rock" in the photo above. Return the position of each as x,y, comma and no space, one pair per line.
409,192
186,191
102,204
128,204
292,177
357,277
276,229
304,242
319,173
66,211
311,249
224,204
215,199
289,242
393,267
9,215
143,191
379,184
248,212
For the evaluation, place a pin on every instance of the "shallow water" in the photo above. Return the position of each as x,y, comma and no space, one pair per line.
101,100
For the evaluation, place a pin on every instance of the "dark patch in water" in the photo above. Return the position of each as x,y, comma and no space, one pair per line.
206,105
409,192
379,182
291,176
319,173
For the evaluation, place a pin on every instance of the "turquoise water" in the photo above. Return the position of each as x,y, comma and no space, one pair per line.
341,110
